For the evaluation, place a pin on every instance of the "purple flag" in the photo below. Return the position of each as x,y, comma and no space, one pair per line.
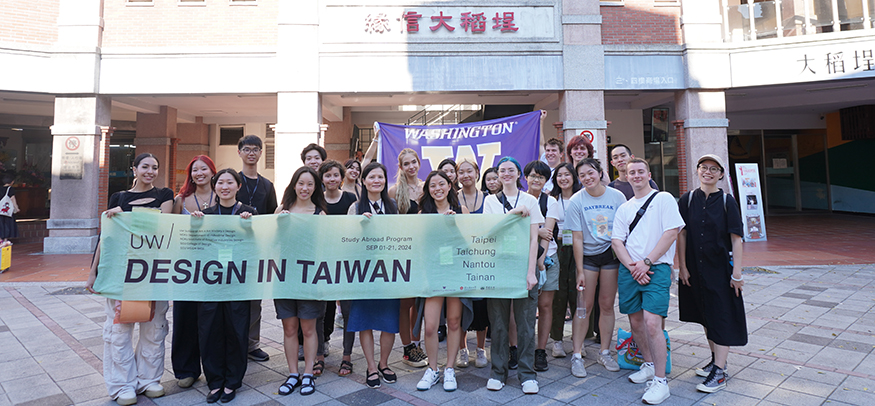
483,141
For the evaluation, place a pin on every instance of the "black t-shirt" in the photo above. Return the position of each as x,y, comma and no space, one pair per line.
258,193
7,189
240,208
124,198
626,187
342,205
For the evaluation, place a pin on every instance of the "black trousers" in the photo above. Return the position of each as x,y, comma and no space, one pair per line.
185,353
223,329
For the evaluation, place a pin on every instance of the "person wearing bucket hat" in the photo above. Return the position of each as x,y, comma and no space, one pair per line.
710,280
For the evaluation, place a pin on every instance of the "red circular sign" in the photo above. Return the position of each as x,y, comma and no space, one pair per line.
72,143
588,135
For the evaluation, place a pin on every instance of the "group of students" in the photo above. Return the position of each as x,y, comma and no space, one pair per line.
581,238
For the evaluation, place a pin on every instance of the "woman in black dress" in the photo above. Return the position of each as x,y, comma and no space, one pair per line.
710,255
223,327
338,202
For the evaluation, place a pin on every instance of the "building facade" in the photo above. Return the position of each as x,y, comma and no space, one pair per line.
88,84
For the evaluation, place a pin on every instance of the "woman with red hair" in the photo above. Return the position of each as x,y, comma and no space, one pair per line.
577,149
196,194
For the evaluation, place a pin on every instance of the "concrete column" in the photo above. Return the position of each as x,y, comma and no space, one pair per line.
75,209
585,111
703,113
298,119
194,139
154,135
299,105
582,104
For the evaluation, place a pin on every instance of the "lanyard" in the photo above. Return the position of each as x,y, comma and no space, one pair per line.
377,207
505,202
252,192
465,199
233,209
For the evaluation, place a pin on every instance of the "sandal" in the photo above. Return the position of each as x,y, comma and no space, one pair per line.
388,375
345,368
375,382
292,382
308,385
318,367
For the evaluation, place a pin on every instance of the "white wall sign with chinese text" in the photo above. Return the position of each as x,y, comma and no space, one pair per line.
72,159
750,198
429,23
803,63
644,72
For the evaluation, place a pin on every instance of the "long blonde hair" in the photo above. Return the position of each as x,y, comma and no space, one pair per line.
402,192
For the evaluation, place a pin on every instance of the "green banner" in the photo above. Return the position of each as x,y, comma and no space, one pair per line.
146,255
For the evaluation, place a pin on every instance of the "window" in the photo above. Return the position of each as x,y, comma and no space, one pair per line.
200,3
243,2
269,146
612,3
666,3
139,3
230,135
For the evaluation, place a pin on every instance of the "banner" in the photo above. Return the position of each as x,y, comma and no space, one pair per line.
151,256
484,142
751,199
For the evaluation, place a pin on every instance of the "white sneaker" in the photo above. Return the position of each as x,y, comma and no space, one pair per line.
577,367
429,379
645,373
657,393
608,362
462,358
494,384
481,361
530,387
126,397
449,379
558,349
153,390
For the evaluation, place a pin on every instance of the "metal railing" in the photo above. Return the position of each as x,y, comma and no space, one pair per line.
749,20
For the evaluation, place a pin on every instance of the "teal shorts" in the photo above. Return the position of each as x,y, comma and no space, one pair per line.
652,297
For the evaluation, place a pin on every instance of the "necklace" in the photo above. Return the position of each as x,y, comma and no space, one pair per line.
206,202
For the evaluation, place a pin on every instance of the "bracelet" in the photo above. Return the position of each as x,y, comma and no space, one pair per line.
737,280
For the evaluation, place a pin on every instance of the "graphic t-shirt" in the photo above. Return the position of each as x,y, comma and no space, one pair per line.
594,217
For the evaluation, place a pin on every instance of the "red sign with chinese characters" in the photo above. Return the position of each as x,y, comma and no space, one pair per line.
469,22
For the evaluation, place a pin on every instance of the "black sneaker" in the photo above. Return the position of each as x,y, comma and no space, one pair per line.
715,381
414,356
514,360
541,361
258,355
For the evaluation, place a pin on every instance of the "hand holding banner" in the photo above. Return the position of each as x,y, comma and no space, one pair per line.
151,256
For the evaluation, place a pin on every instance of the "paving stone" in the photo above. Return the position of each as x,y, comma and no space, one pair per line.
797,384
838,358
365,397
24,389
797,295
52,400
811,339
760,376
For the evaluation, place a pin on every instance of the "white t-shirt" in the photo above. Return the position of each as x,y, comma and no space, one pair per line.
594,217
548,186
551,205
662,215
493,206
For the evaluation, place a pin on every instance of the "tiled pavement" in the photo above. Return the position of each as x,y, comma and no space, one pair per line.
812,335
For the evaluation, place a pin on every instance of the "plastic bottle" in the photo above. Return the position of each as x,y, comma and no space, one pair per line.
581,303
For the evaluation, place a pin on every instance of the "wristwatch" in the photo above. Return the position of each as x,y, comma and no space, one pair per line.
648,262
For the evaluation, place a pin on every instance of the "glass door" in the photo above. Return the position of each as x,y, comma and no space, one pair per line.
781,175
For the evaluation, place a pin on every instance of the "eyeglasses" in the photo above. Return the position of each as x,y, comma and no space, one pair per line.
536,177
250,150
713,169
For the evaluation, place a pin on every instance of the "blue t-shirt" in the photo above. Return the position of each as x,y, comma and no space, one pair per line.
594,216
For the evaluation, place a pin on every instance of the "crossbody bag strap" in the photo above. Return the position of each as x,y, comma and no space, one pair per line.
640,212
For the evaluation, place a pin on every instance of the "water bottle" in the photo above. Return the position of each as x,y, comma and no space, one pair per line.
581,303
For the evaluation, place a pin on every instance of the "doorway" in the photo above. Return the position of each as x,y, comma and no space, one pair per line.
794,167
